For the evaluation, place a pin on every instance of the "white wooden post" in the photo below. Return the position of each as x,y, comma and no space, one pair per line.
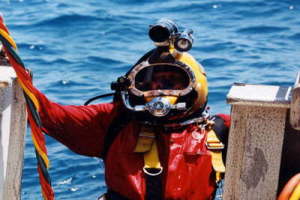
295,105
13,121
256,136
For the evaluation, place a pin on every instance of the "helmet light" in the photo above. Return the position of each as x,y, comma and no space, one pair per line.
165,33
184,41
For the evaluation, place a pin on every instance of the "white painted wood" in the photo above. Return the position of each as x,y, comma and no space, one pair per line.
295,104
258,118
12,131
263,95
254,152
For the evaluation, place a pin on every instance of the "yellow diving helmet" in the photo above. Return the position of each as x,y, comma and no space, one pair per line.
167,82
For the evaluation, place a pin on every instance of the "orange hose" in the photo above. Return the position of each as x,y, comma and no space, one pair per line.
289,187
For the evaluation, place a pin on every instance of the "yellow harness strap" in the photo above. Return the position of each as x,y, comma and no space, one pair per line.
296,193
145,140
146,144
215,147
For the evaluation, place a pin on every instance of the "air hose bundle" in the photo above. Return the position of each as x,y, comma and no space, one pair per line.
33,106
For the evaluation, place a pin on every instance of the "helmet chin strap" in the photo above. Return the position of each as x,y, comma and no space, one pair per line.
158,106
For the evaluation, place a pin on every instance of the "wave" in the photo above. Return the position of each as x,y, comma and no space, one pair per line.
34,47
216,62
68,84
97,59
295,37
262,29
66,19
219,46
58,61
266,65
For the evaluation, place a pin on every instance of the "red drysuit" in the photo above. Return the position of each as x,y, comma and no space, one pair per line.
187,174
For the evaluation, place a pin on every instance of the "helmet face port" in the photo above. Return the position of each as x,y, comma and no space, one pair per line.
161,77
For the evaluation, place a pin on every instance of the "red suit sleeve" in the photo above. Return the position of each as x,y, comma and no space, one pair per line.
80,128
226,119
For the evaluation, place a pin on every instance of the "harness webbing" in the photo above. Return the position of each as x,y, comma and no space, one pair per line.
215,147
154,187
119,122
147,145
33,107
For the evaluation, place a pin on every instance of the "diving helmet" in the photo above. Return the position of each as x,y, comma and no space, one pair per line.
167,82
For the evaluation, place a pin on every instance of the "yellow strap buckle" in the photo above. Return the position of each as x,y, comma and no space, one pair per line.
213,142
215,147
153,171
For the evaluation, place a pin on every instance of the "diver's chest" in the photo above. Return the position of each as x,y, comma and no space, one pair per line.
177,148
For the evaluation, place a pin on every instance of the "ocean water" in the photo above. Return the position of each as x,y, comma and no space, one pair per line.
77,48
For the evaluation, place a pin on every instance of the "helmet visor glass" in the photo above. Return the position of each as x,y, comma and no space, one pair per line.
161,77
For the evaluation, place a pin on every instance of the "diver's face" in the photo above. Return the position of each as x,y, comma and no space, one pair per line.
167,80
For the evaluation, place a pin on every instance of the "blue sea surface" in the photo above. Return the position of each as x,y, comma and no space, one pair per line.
77,48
